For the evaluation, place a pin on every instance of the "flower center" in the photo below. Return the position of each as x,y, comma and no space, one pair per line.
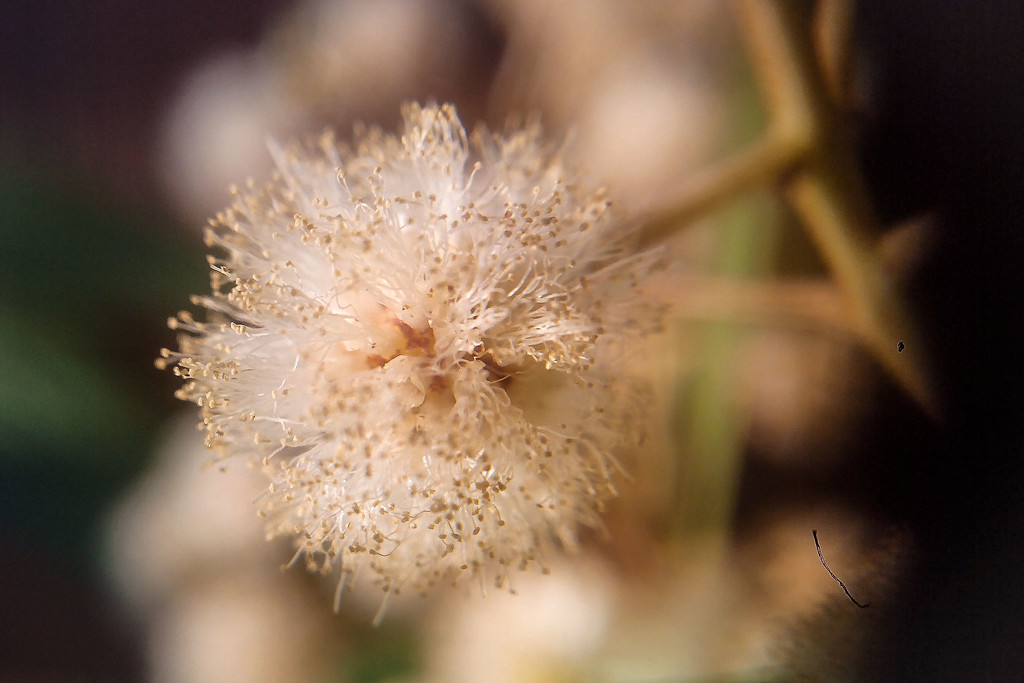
398,338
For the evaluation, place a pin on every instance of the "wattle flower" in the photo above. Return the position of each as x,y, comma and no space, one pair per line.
415,339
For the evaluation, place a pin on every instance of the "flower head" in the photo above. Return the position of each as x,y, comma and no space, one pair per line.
407,336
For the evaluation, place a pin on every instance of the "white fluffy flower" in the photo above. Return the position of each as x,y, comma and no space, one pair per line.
409,338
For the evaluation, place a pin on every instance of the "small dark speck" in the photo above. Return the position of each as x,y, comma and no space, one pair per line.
900,347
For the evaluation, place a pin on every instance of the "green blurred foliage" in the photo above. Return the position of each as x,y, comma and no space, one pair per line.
85,293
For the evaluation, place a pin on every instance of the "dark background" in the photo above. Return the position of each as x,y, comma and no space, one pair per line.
945,138
92,261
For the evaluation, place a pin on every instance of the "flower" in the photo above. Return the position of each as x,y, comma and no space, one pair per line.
418,350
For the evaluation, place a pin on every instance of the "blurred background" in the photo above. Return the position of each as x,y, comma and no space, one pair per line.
122,559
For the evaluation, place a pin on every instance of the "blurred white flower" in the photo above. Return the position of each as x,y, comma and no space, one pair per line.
194,572
554,629
321,61
410,337
640,84
180,523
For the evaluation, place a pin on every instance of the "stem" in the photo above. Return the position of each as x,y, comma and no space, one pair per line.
709,428
806,150
760,164
827,191
833,36
814,306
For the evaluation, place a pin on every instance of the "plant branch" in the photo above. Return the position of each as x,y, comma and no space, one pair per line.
760,164
827,190
814,305
807,151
